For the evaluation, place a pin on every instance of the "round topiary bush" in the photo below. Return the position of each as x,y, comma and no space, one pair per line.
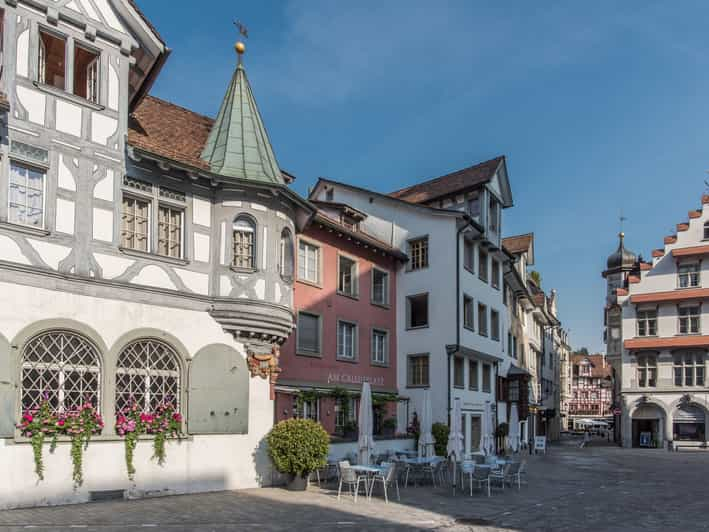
298,446
440,433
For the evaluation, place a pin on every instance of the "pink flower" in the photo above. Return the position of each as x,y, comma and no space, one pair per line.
60,423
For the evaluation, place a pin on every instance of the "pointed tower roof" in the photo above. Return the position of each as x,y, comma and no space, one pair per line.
238,144
621,258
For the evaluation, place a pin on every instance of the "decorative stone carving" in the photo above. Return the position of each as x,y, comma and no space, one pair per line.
264,364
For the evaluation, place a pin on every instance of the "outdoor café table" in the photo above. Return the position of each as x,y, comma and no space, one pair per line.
370,471
418,462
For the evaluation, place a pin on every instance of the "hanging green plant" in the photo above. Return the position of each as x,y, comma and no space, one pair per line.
36,425
80,426
129,426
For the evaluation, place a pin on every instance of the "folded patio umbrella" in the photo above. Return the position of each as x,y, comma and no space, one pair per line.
426,440
365,442
514,428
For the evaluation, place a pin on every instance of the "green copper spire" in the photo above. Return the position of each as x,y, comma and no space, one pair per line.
238,145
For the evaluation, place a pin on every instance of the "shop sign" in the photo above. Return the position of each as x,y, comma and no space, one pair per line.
346,378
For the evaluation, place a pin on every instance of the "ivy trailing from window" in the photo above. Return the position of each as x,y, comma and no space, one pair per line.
80,426
36,425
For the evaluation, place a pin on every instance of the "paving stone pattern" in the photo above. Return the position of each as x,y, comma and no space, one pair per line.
599,488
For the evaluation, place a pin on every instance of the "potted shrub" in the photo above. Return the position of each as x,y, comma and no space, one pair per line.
298,447
389,427
440,433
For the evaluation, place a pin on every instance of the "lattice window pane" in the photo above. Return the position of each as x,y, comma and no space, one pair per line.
63,366
148,374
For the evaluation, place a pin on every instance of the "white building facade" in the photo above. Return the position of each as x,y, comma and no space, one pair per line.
146,257
450,228
665,337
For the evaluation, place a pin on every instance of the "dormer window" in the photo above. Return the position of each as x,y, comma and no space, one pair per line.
86,73
493,216
349,222
474,207
52,60
51,66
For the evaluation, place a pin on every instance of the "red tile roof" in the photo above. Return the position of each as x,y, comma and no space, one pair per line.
450,183
671,295
690,251
599,367
675,342
169,131
695,214
518,244
658,252
670,239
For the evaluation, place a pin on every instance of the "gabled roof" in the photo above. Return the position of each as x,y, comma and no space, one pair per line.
600,368
456,183
238,145
170,131
518,244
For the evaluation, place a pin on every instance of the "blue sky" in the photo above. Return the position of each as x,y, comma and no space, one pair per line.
598,108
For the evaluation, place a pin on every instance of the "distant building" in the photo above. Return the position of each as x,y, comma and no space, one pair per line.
591,388
657,310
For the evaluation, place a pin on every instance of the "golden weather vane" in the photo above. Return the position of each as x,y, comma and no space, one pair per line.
240,47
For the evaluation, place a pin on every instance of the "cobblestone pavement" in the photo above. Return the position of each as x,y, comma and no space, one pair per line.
596,488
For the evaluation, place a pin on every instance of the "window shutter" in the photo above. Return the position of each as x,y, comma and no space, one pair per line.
7,391
218,400
308,332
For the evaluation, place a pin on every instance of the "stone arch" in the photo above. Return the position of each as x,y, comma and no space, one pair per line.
664,430
144,333
18,343
692,401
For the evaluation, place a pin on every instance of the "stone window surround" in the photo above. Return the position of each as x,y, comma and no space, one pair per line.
255,244
298,350
387,350
107,361
355,277
387,291
355,341
314,243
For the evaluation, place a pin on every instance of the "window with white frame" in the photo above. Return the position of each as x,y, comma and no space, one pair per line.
494,324
468,312
148,375
286,259
689,369
62,366
495,273
347,276
469,255
482,265
482,319
346,340
135,224
380,347
417,371
689,321
51,61
308,334
487,378
244,243
417,311
458,372
647,323
307,409
170,231
308,262
418,253
473,379
647,371
493,215
26,195
345,411
474,206
86,73
688,275
380,287
706,230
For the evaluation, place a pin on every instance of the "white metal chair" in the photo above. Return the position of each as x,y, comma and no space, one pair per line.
481,475
500,475
387,477
350,477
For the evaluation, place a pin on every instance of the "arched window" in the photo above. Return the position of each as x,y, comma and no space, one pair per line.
647,371
706,230
286,264
148,374
62,366
244,243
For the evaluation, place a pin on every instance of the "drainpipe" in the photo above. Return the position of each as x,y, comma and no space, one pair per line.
497,403
457,307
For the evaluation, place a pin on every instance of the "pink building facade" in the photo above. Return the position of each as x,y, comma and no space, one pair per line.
345,304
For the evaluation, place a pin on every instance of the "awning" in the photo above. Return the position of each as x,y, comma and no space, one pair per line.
453,349
688,414
514,370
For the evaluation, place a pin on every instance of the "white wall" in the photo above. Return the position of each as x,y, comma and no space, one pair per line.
200,463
